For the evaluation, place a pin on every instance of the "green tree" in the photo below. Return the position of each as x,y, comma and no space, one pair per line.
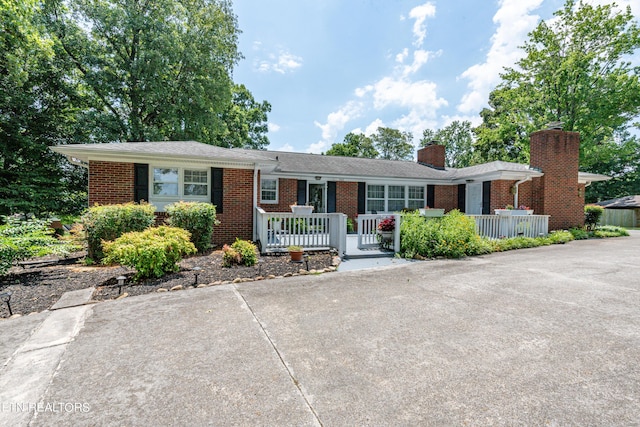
154,70
245,121
575,71
393,144
354,145
458,139
38,105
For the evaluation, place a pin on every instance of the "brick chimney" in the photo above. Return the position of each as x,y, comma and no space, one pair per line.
557,154
432,155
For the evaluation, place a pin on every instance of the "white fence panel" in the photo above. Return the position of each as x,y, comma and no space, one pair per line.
368,230
499,226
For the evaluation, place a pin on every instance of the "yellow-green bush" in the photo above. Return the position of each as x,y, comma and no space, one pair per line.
452,236
109,222
196,217
241,252
153,252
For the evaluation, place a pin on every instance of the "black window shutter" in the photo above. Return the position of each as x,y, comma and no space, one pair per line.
331,196
302,192
140,182
462,197
431,196
362,197
216,189
486,198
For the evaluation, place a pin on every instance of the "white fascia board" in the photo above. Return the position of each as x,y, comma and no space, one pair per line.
588,177
367,179
499,175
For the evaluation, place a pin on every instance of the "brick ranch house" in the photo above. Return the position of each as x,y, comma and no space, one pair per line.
237,180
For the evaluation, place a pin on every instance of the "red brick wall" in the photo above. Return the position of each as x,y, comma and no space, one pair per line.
347,199
445,197
501,194
556,153
237,217
110,183
433,155
287,196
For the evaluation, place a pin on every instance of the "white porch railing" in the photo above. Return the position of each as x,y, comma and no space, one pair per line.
277,230
498,226
368,231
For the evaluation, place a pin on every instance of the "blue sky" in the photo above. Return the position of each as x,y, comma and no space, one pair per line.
329,67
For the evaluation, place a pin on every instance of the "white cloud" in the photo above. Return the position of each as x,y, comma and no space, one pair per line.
273,127
514,22
373,127
446,120
420,14
282,63
402,55
420,95
318,147
420,57
337,120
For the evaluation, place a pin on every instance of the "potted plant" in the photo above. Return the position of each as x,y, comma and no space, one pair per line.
429,212
295,252
301,209
386,227
522,210
508,210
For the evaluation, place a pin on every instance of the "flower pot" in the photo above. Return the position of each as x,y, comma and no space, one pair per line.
431,213
504,211
296,256
301,210
522,212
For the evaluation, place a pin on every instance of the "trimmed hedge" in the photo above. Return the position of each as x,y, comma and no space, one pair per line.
108,222
153,252
592,214
196,217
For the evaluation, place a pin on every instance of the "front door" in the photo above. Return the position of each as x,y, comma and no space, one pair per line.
474,199
317,197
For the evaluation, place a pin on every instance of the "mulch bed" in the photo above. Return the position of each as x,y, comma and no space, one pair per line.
37,288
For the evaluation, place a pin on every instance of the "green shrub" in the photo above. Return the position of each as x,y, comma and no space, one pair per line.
559,236
610,231
153,252
579,233
106,223
452,236
196,217
21,239
241,252
592,214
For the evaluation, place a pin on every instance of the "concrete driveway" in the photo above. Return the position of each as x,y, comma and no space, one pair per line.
546,336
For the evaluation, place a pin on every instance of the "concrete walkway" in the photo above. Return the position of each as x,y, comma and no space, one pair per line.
545,336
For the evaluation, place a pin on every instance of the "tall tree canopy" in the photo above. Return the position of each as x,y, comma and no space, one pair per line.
157,69
38,105
354,145
458,139
244,121
393,144
577,71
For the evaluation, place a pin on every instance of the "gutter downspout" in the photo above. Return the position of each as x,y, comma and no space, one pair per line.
255,200
515,194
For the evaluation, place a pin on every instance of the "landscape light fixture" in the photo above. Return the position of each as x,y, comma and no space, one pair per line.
120,280
260,262
196,273
6,297
306,260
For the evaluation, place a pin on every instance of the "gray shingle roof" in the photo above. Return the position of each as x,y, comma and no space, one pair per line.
484,168
627,202
175,149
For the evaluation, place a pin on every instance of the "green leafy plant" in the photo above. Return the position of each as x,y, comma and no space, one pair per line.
198,218
579,233
241,252
610,231
21,239
592,214
106,223
451,236
153,252
350,225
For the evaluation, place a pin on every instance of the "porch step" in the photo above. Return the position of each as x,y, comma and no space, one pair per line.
371,254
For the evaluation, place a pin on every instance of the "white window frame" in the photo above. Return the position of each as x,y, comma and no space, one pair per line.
277,190
423,200
161,201
386,198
